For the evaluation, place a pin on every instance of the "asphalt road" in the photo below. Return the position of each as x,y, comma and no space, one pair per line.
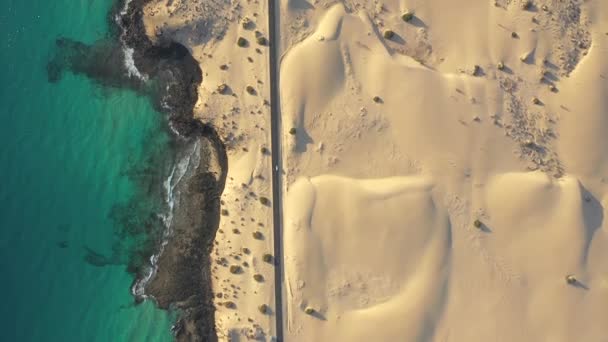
277,202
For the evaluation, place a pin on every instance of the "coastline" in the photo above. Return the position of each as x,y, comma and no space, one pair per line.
178,273
231,43
182,277
487,151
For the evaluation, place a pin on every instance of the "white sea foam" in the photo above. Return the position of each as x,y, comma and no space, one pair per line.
129,62
173,129
125,8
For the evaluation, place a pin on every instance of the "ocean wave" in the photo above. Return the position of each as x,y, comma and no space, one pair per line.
125,8
129,61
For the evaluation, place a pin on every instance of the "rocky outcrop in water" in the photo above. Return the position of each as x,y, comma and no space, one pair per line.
167,73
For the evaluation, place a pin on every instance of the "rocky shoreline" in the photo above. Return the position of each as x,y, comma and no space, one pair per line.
167,73
183,277
175,74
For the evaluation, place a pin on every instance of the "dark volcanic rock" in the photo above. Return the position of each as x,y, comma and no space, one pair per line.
170,77
183,278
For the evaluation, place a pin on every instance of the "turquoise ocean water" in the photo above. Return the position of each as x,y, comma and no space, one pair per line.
66,150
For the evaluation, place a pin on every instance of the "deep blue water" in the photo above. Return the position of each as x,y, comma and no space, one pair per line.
66,150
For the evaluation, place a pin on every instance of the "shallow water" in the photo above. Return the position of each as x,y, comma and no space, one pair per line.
72,155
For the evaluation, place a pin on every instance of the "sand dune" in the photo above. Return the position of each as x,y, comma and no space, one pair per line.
474,110
382,260
358,252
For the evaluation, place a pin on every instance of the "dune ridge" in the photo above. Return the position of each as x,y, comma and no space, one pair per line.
482,110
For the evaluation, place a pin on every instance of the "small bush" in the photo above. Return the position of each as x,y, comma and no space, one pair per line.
570,279
261,40
267,258
242,42
388,34
234,269
222,88
246,23
407,16
476,70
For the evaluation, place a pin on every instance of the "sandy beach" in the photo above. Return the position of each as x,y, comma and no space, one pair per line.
440,165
